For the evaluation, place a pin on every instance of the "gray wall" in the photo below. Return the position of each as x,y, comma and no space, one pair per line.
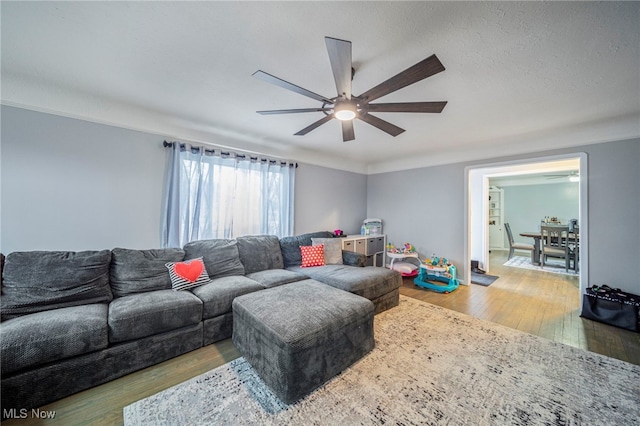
430,212
526,205
74,185
424,207
328,199
68,184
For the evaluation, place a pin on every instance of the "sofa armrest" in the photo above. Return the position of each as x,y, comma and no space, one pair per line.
352,258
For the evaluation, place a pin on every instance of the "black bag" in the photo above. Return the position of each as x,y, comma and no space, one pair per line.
612,306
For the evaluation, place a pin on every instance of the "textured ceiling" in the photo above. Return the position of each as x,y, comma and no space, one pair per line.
520,77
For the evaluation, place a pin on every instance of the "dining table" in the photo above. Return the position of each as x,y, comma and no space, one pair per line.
537,237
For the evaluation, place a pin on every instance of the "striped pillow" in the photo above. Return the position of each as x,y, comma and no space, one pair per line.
187,274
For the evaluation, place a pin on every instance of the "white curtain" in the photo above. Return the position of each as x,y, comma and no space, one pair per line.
209,195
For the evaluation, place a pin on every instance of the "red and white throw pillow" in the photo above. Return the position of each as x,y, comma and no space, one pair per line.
312,256
187,274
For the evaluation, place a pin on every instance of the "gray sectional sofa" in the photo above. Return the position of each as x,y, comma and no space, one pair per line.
74,320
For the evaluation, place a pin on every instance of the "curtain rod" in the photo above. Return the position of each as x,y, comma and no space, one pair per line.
235,154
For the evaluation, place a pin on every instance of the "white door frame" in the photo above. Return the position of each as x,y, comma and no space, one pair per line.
476,189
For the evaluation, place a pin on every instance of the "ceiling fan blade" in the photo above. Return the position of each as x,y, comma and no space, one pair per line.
314,125
290,86
408,107
419,71
347,131
293,111
340,57
385,126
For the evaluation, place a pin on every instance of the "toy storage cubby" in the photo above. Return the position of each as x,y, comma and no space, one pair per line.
371,246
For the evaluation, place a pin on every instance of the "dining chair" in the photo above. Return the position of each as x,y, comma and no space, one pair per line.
573,241
517,246
554,243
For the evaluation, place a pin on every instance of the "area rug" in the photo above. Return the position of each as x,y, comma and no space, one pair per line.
430,366
555,266
483,279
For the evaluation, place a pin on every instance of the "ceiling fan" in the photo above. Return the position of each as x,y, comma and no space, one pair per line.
346,107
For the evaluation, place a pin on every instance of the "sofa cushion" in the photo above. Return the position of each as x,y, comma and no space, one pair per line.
370,282
218,295
332,250
42,280
276,277
53,335
353,259
145,314
259,253
139,271
1,266
290,246
221,257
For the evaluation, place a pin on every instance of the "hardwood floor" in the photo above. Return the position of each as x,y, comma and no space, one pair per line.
539,303
103,404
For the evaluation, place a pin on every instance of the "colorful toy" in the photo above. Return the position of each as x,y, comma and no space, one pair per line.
440,270
406,249
406,268
409,248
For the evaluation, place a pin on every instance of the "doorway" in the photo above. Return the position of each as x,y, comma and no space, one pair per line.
477,205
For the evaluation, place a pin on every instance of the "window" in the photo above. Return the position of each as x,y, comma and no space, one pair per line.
210,195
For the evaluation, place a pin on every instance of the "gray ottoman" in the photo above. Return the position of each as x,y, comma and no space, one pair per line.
298,336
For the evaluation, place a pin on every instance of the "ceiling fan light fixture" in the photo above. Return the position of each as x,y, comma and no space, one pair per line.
345,111
347,107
